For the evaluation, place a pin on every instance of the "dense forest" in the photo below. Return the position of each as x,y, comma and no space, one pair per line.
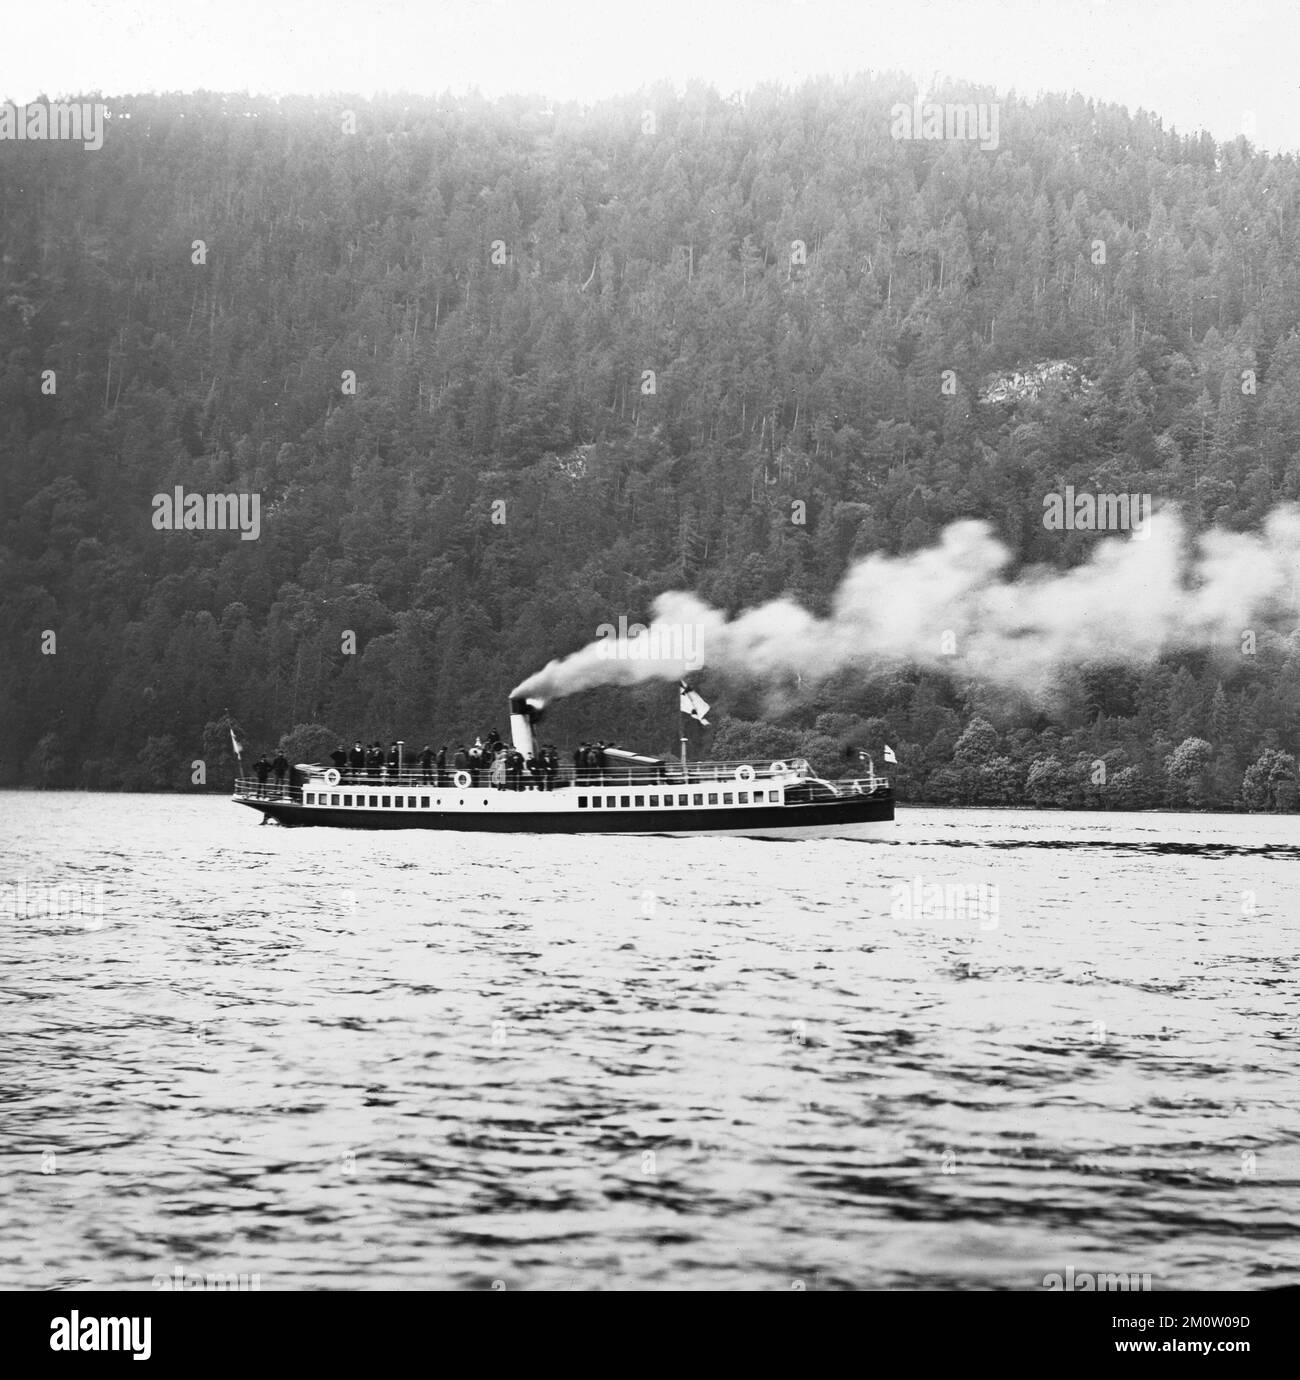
502,372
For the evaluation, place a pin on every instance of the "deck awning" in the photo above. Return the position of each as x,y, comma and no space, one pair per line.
631,759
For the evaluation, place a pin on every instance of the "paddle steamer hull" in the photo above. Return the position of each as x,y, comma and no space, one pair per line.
485,812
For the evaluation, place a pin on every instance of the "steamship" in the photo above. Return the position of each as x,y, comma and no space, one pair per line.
633,794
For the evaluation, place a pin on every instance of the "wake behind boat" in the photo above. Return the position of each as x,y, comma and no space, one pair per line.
629,794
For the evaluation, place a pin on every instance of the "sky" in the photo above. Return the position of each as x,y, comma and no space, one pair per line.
1198,64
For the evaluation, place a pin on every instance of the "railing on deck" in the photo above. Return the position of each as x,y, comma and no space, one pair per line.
862,785
671,774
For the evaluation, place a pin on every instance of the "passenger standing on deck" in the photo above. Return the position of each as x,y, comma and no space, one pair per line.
263,769
374,759
514,768
532,772
550,766
357,759
394,761
340,759
279,767
460,762
497,771
476,763
441,760
426,764
580,764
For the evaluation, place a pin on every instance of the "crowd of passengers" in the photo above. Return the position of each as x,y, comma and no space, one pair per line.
488,762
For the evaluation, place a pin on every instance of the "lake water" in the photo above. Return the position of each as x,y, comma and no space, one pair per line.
994,1047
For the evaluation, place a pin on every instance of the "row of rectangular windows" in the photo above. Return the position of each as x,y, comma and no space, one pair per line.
728,798
626,802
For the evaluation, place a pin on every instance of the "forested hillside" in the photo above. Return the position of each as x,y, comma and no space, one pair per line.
672,341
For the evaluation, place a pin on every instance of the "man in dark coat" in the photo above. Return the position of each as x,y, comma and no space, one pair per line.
263,769
340,759
426,764
357,758
394,761
514,769
460,762
374,758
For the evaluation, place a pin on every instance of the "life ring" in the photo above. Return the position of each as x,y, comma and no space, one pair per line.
332,778
777,768
462,780
745,773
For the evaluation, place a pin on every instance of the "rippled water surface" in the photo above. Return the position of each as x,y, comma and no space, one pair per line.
340,1059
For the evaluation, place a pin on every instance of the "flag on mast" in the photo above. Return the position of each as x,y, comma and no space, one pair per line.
889,754
235,743
692,705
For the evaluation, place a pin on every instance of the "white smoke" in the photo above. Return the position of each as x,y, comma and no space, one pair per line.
953,606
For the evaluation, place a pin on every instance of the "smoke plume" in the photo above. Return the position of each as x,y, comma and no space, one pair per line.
954,606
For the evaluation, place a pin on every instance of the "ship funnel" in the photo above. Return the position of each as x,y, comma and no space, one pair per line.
523,715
